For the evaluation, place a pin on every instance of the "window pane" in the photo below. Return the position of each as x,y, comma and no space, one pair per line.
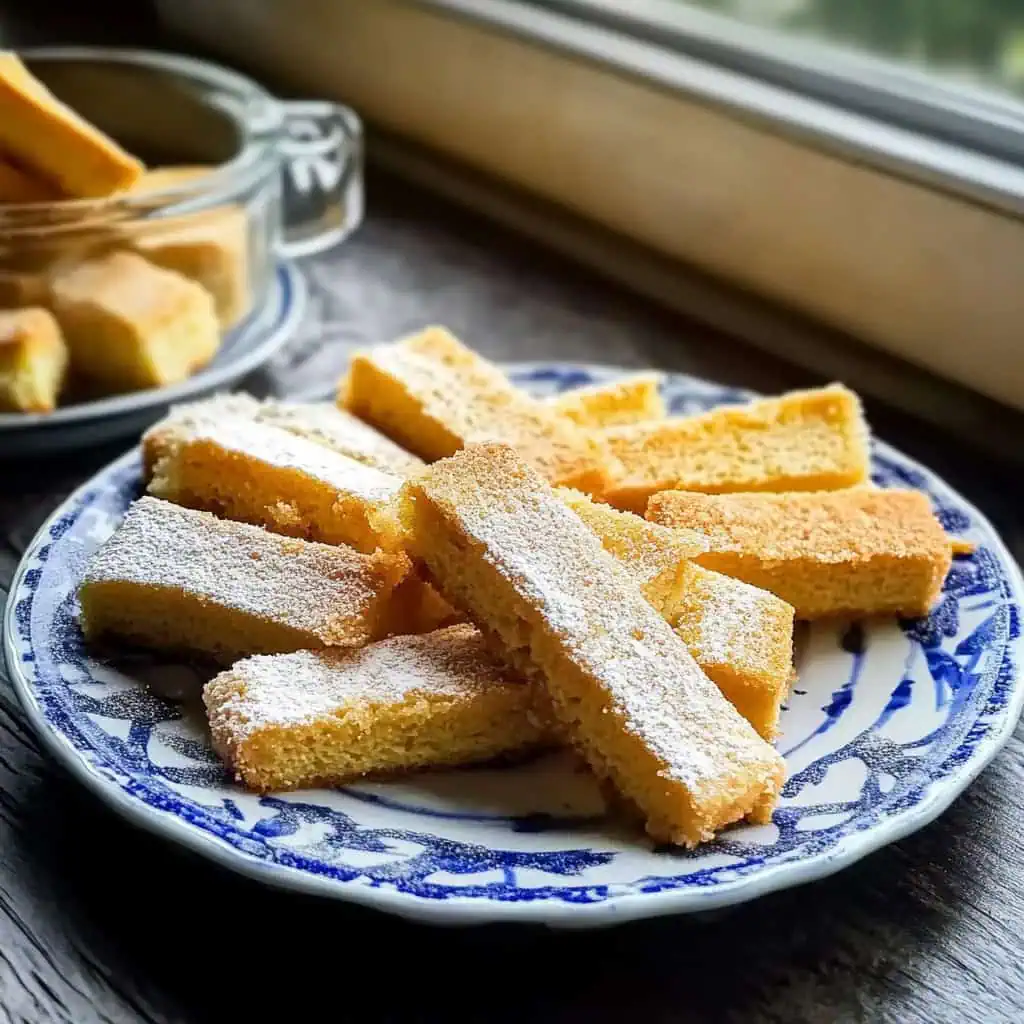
980,41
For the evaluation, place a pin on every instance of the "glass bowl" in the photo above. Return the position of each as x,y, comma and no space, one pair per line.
259,179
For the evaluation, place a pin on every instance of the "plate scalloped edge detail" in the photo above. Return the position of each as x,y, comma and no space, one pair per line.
963,659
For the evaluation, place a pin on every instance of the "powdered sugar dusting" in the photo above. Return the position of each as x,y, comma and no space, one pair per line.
321,423
236,404
646,549
738,624
552,560
723,620
476,402
293,689
327,425
283,450
303,585
184,418
461,392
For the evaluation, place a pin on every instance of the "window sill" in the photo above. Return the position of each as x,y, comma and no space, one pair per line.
905,242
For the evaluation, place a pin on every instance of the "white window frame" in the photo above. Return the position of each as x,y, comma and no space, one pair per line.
905,240
982,119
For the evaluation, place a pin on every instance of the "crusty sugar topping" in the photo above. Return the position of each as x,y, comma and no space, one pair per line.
298,583
558,565
292,689
283,450
798,434
826,526
326,424
630,399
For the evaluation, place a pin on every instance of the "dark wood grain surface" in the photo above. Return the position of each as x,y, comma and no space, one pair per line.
102,923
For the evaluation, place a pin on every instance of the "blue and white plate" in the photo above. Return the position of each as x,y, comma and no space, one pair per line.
887,723
244,349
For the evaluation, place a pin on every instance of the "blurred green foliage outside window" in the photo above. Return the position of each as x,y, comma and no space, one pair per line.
981,41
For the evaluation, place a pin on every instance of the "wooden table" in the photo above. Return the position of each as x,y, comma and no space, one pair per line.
102,923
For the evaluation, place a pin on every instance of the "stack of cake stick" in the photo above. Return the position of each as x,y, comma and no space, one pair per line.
441,569
124,301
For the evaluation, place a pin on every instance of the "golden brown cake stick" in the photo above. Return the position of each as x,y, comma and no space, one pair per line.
742,637
635,398
131,325
655,556
324,718
47,136
210,247
320,422
433,395
259,474
801,441
861,551
500,545
342,432
173,578
33,360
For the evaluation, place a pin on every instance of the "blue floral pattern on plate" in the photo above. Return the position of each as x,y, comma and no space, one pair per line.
887,722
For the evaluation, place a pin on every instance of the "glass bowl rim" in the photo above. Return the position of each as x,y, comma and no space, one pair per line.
259,128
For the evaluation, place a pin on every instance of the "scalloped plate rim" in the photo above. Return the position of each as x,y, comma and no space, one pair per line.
468,911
